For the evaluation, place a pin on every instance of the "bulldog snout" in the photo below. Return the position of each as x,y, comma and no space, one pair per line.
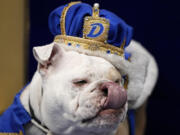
116,95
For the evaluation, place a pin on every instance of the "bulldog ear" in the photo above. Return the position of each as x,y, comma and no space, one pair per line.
47,55
142,73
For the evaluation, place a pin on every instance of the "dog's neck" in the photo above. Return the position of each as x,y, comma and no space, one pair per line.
31,98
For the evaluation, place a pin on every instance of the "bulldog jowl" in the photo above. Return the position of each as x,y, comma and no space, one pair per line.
75,94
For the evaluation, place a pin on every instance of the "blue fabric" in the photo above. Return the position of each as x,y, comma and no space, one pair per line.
131,120
118,31
13,119
127,55
94,26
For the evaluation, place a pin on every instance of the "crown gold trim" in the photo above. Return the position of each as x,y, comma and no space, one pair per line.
88,44
63,17
95,33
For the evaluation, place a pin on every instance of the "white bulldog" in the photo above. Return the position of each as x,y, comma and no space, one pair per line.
73,93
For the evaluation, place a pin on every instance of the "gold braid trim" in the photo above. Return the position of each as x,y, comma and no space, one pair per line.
89,44
20,133
63,17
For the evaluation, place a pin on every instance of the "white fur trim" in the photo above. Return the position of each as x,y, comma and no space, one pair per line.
143,72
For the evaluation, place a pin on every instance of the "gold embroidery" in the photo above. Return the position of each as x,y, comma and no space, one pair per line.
63,17
95,19
86,44
20,133
96,10
87,28
123,43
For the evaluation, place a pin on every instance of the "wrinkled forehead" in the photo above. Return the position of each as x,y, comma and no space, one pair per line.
89,65
100,64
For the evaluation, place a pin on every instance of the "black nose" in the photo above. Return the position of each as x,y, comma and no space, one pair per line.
105,91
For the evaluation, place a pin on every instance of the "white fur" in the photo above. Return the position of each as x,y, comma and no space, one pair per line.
143,72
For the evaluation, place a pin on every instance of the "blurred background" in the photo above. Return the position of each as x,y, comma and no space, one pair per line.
24,24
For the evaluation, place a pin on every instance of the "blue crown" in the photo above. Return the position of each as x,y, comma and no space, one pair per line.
78,24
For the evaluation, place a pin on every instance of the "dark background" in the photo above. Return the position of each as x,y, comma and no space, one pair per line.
156,26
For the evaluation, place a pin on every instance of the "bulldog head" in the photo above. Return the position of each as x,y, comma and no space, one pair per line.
80,93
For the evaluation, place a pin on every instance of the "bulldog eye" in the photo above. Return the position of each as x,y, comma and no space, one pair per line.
117,81
80,82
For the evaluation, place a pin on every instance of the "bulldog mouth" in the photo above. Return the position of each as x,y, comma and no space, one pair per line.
114,102
89,119
103,112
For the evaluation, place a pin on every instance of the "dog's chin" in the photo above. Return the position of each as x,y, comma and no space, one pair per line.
107,118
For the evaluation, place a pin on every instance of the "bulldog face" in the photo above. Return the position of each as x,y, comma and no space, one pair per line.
81,94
